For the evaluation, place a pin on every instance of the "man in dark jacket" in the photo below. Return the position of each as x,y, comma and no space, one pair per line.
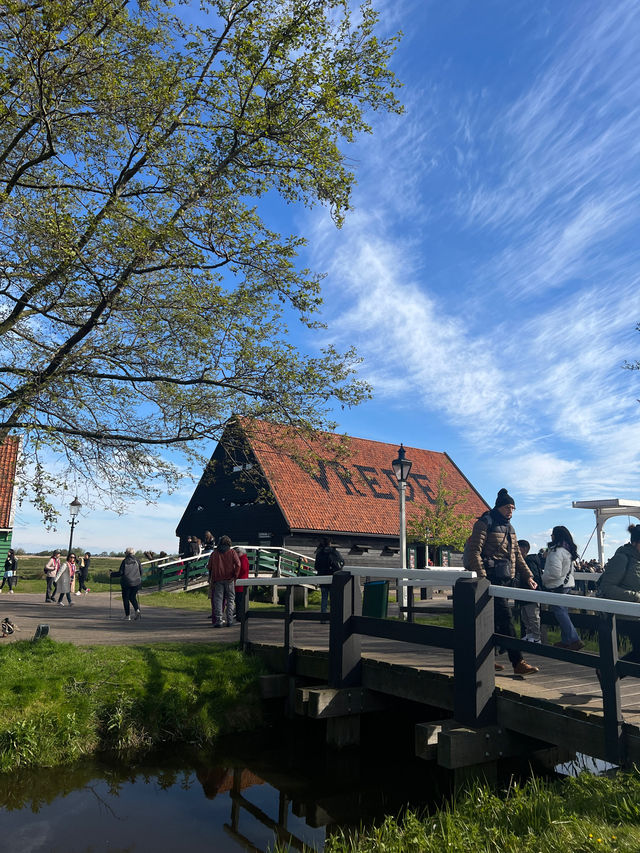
492,552
130,574
328,561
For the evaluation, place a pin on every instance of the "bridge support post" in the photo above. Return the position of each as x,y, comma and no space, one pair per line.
345,661
288,631
608,643
474,701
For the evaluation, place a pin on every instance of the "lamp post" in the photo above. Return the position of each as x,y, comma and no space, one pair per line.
401,467
74,508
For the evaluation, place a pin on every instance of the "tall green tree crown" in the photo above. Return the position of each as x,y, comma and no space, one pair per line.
143,294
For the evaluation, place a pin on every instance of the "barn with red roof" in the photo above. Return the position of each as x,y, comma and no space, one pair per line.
270,485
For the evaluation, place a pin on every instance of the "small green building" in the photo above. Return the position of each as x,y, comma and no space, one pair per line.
9,455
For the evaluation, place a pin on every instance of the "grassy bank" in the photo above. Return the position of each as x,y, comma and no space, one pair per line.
571,816
61,702
198,599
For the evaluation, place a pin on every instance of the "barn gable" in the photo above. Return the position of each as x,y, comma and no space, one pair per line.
269,489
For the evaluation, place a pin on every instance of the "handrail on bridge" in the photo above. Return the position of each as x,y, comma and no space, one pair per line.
472,639
181,571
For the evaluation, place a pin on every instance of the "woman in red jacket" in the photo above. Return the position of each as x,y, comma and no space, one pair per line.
241,591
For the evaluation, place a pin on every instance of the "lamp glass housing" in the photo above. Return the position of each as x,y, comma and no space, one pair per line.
401,465
74,507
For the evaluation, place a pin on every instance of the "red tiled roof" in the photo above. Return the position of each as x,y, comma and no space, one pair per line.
9,450
357,493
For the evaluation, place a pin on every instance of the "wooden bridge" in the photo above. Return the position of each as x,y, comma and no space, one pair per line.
473,715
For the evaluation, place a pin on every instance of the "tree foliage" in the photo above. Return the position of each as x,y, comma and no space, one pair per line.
441,524
143,294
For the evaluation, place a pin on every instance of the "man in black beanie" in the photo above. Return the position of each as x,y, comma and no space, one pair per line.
492,552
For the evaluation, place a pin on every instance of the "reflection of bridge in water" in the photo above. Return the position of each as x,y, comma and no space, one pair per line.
290,788
472,715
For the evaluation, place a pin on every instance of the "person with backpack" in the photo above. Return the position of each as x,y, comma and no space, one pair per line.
327,562
620,580
130,574
557,576
492,552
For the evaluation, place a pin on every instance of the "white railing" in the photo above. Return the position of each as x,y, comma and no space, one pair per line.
176,561
437,576
318,580
577,602
277,548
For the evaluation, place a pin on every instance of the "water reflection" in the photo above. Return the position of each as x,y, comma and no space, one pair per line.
245,795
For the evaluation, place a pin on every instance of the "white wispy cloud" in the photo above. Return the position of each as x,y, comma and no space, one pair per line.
568,183
536,196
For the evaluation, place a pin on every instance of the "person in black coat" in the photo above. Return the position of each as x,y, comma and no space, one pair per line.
328,561
10,571
82,573
130,574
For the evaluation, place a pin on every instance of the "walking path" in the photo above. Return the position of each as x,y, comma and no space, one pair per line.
92,621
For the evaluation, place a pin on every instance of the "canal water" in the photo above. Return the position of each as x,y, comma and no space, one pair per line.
244,794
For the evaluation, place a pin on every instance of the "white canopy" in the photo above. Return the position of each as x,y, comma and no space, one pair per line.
605,509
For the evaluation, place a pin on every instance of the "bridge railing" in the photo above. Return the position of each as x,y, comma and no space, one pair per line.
182,572
177,572
603,618
289,616
281,562
472,639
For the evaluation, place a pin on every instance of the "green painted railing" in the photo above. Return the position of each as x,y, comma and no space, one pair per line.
183,573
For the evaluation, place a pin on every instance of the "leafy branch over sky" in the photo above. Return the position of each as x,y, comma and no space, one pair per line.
143,294
442,523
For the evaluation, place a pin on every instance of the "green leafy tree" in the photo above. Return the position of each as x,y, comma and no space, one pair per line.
144,297
443,523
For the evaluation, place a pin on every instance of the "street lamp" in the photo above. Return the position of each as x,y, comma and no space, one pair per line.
401,467
74,508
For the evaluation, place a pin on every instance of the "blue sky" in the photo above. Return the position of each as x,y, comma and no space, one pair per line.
488,274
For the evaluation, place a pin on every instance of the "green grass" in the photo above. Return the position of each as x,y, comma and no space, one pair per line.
61,702
198,599
578,815
31,574
96,583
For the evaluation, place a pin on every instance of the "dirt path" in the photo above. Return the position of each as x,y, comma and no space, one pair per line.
92,622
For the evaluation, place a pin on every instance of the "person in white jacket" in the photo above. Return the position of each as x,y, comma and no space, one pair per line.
557,576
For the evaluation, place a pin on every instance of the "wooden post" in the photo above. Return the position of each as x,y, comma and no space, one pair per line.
610,683
474,701
288,630
244,621
410,617
345,663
